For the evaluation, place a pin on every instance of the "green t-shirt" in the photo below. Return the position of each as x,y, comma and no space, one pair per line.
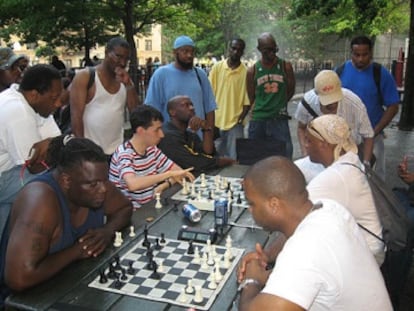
271,89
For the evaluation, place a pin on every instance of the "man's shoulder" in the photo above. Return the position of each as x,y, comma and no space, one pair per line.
351,98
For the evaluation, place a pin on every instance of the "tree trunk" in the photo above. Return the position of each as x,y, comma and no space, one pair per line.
407,114
129,36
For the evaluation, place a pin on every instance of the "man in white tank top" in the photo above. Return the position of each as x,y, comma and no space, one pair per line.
97,112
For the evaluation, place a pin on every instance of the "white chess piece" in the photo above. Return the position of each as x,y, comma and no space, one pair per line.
199,195
193,189
210,260
212,284
158,200
203,180
132,231
198,297
160,267
197,258
226,262
217,274
183,296
118,239
189,289
185,189
204,264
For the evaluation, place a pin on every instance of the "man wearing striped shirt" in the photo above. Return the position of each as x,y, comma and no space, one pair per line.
138,167
328,97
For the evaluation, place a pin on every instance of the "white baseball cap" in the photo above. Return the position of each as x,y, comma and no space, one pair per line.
328,87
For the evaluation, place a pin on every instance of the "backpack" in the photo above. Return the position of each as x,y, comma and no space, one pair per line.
376,75
394,221
63,117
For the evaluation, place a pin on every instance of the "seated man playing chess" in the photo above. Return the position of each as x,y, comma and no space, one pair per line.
181,142
138,168
58,217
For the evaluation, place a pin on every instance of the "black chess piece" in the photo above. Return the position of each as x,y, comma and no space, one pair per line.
146,241
162,241
117,264
150,264
239,200
123,276
157,245
155,275
118,284
131,270
210,195
175,208
149,252
112,274
102,277
190,250
228,186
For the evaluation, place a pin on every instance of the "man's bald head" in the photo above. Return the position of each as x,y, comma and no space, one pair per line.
278,177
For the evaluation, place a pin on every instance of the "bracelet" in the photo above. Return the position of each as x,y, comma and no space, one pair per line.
247,282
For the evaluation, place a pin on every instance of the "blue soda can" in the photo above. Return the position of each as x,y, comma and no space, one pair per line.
221,211
191,212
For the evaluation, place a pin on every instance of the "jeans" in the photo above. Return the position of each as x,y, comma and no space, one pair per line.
10,184
272,129
226,143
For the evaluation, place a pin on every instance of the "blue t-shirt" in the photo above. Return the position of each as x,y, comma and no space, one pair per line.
362,83
169,81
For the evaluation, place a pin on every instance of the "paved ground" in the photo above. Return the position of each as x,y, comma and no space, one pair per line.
398,143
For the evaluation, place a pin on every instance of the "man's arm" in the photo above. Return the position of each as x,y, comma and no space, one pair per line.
35,224
387,117
291,82
208,136
368,148
78,96
132,96
301,137
251,87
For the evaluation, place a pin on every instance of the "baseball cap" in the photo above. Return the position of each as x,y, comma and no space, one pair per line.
183,41
7,58
328,87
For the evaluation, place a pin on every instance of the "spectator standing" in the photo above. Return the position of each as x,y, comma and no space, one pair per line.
358,76
181,142
228,81
98,112
181,77
329,98
270,85
24,134
59,65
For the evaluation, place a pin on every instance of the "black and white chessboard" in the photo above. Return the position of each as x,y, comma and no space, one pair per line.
178,268
202,194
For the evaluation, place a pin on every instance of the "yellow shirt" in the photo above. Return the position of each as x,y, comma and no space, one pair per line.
229,88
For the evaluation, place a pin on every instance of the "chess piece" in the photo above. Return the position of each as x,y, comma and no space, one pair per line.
131,269
204,264
162,241
123,275
198,297
197,257
157,245
112,274
183,296
118,239
185,189
212,284
203,180
118,284
210,260
193,190
160,267
239,200
189,289
190,250
226,262
102,277
217,274
158,200
132,231
199,195
145,242
155,275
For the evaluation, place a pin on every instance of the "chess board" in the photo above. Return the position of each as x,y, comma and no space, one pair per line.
178,268
202,195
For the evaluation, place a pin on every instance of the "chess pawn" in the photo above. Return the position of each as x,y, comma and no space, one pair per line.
204,264
189,289
198,297
217,274
158,200
160,267
203,180
184,190
193,190
212,284
132,231
197,257
199,195
226,262
210,260
118,239
183,296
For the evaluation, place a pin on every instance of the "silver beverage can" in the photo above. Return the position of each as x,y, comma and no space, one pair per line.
191,212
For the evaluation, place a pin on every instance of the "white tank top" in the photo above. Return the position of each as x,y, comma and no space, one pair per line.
103,118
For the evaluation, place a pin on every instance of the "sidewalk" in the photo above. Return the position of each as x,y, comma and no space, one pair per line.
397,144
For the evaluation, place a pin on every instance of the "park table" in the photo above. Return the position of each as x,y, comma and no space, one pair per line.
68,290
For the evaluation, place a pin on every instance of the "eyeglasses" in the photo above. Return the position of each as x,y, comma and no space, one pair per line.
119,57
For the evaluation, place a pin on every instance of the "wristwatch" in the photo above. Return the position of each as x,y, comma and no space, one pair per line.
248,281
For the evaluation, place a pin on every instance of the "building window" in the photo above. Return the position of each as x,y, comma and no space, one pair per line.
148,45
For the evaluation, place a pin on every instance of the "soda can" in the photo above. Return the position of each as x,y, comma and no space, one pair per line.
221,211
191,212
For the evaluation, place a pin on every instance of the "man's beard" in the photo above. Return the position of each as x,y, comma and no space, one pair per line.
182,64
